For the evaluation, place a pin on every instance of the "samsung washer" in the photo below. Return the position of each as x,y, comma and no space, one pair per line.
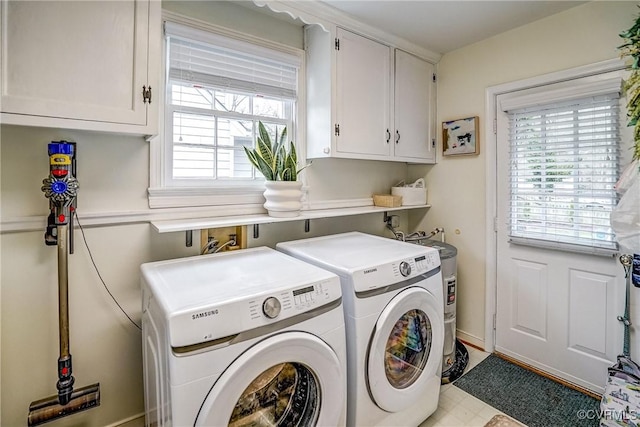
249,337
393,306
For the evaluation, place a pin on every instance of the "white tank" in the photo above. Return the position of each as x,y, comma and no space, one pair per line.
448,265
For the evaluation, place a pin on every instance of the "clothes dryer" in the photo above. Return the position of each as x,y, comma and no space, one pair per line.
249,337
392,295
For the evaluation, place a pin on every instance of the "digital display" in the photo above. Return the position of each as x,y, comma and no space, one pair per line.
422,258
302,291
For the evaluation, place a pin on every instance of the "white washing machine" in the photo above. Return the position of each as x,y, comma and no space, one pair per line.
392,294
249,337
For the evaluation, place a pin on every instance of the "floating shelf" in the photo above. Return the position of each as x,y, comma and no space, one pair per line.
169,226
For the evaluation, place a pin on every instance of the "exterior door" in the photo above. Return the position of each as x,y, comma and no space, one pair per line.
555,310
292,379
405,353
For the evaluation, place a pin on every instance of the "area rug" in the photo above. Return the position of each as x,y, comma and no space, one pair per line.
528,397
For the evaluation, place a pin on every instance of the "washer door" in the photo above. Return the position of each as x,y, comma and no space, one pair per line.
289,379
405,351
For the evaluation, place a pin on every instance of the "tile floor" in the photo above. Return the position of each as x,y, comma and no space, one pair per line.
458,408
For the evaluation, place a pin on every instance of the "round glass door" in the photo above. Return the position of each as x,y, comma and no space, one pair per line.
408,348
288,379
405,351
283,395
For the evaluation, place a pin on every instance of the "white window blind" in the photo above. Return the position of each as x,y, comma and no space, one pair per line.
218,61
564,164
218,88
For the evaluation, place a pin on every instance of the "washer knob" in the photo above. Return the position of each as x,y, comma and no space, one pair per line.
405,268
271,307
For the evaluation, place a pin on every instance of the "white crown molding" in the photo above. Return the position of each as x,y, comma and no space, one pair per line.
317,12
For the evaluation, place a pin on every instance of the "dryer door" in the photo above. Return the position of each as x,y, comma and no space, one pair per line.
405,351
289,379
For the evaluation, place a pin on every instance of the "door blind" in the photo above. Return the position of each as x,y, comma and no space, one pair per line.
564,164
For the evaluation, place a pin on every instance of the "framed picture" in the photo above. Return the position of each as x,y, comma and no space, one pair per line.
460,137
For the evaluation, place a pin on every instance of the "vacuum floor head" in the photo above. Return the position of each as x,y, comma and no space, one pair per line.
49,409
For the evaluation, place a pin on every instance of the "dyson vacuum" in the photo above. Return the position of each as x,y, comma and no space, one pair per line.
61,187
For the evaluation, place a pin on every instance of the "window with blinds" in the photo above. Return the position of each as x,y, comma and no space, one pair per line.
564,164
218,88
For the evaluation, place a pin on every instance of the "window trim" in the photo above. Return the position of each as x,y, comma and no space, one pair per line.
235,197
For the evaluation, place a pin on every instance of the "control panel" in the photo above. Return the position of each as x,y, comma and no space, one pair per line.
217,321
290,302
417,265
377,276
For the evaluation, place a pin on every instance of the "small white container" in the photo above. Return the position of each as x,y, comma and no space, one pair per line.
413,194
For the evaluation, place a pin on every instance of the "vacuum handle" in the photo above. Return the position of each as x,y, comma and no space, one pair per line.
65,371
63,290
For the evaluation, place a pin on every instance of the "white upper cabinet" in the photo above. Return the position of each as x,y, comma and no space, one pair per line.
363,96
81,64
415,139
362,103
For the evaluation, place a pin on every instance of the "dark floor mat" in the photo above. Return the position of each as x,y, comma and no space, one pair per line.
528,397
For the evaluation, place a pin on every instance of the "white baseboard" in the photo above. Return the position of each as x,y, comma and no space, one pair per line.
132,421
471,339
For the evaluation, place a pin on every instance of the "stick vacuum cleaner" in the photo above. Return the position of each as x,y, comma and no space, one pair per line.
61,187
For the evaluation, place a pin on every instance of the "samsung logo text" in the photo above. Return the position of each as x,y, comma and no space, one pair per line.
204,314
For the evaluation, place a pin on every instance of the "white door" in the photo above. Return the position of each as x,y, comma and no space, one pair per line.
363,98
555,310
406,349
292,379
414,139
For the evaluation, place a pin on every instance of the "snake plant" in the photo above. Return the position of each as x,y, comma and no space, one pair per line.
273,159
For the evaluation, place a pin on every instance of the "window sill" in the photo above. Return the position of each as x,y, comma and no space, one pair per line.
169,226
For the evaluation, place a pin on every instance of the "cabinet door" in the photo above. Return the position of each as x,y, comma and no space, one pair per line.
414,109
363,96
83,60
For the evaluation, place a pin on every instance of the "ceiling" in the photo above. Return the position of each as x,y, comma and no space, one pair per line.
443,26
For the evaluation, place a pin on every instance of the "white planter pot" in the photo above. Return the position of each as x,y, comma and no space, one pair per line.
283,198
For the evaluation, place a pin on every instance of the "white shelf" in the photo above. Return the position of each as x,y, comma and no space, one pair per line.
170,226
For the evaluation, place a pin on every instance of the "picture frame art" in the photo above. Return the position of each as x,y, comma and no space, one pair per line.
460,137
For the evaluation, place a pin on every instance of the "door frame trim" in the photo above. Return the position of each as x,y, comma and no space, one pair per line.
491,200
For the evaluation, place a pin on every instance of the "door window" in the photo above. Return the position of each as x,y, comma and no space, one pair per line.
286,394
407,349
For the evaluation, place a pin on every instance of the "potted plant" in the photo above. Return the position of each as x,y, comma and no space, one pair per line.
279,165
631,50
